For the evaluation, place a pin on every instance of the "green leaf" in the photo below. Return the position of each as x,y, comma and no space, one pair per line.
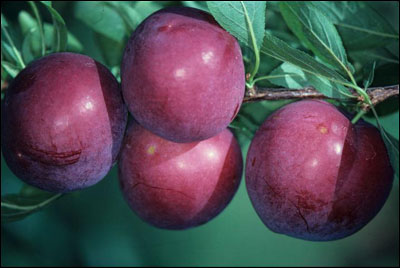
359,25
317,32
101,18
381,55
47,3
73,43
26,22
129,15
26,46
116,71
7,44
290,76
386,75
39,26
8,52
279,50
11,69
110,50
32,43
60,32
369,71
392,144
232,16
17,206
4,21
196,4
146,8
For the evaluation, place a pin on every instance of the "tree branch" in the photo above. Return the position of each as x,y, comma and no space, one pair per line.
376,94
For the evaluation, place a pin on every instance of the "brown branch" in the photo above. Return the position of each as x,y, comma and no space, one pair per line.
376,94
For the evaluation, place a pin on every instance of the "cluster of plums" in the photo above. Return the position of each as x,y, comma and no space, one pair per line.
310,173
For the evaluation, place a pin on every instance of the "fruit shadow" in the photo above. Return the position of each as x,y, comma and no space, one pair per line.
347,201
341,210
210,208
153,253
118,119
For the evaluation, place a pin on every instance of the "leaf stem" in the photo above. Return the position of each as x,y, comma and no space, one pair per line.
254,43
35,207
358,116
350,76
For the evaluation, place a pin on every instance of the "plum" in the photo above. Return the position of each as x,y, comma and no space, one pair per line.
182,75
62,123
178,185
311,174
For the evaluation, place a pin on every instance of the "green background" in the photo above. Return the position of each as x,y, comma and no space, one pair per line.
95,227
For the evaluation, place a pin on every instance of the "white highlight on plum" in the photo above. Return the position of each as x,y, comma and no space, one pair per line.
211,154
180,73
207,56
314,162
338,148
181,164
87,105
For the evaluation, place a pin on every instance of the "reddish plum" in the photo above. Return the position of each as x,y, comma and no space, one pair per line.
178,185
63,121
182,75
311,174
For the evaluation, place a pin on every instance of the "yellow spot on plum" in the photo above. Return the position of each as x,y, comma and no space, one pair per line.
322,129
151,149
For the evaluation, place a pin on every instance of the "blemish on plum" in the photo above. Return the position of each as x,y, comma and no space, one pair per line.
322,128
151,150
253,162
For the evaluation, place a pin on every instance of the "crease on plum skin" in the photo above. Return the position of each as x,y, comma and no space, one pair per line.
161,188
293,204
56,159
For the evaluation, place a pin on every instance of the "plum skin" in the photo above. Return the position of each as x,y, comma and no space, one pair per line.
312,175
182,75
63,120
178,185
